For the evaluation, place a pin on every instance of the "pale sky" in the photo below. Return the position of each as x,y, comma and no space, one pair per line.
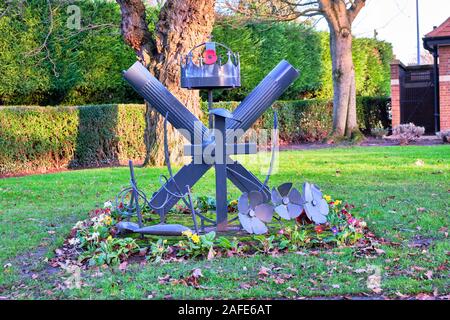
395,22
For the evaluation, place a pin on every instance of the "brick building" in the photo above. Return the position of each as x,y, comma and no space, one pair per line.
421,94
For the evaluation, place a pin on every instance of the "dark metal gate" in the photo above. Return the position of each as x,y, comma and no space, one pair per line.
417,97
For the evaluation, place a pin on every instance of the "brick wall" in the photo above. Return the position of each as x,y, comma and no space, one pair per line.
396,70
444,87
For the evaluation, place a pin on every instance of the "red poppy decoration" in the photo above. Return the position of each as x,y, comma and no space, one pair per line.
319,229
209,56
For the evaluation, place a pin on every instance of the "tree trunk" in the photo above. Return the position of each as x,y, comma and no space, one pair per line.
344,87
182,25
340,18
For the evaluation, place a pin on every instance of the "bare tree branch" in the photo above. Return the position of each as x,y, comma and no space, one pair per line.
44,45
356,7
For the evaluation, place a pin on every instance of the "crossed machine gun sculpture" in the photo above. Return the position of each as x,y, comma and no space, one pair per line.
258,203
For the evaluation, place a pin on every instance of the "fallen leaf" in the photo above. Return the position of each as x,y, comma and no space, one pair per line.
197,273
123,266
377,290
401,295
143,252
421,209
211,253
163,280
295,290
245,286
263,271
424,296
191,280
279,280
417,268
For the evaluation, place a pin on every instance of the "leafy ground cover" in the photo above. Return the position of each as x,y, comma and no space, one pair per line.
401,192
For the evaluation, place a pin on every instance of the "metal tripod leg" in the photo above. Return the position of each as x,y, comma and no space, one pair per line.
246,181
187,175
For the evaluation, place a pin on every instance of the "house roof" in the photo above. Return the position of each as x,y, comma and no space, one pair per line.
442,31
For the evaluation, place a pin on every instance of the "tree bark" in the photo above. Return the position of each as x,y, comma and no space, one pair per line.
344,94
340,20
182,25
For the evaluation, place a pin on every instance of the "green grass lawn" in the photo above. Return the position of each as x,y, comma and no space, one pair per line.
403,202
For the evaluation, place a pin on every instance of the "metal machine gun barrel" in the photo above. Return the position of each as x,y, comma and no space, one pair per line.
267,91
164,102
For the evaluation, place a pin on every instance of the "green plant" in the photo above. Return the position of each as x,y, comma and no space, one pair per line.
85,67
345,228
158,250
263,45
231,247
265,244
74,67
91,232
110,252
197,245
293,238
311,120
379,132
205,203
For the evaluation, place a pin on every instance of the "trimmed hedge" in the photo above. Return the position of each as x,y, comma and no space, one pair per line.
262,45
78,67
312,120
40,138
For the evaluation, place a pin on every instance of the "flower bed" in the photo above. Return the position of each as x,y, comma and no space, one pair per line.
95,242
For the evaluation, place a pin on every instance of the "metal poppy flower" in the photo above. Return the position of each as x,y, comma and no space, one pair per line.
287,201
315,206
210,56
254,213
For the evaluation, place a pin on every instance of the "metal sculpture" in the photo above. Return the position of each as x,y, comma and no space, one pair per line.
221,142
254,213
287,201
315,205
134,207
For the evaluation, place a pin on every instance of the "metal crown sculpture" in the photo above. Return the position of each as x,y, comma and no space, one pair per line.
208,73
